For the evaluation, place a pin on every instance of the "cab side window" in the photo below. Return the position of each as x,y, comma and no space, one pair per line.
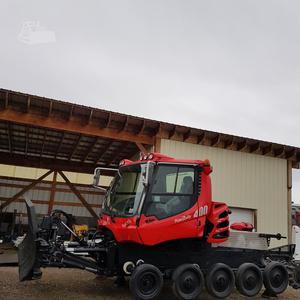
172,191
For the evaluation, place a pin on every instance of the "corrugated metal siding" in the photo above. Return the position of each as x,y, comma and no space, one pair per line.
243,180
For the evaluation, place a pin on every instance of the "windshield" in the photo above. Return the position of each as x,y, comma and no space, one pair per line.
125,193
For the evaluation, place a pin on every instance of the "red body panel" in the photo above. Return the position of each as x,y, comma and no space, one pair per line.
188,224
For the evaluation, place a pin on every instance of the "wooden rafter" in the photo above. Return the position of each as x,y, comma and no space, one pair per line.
74,148
43,143
267,150
71,112
74,126
9,138
50,108
26,139
228,142
103,151
24,190
157,130
116,153
78,194
141,129
201,138
215,140
187,134
52,193
172,132
60,144
90,116
254,147
241,145
28,104
125,124
90,149
6,100
278,152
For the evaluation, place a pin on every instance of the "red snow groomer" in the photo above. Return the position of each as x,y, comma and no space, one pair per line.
159,223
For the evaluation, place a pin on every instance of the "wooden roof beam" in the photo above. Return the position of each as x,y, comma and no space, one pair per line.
172,132
187,134
90,149
215,140
28,104
6,100
201,137
9,138
74,126
267,150
254,147
228,142
60,144
26,139
141,129
241,145
74,148
125,124
279,152
103,151
43,143
117,152
290,154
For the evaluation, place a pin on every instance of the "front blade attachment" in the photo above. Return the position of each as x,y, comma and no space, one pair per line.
27,250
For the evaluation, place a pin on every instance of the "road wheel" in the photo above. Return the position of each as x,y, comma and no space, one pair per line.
249,279
188,282
276,278
220,281
146,282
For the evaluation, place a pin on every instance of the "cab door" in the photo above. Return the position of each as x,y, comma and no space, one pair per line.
170,208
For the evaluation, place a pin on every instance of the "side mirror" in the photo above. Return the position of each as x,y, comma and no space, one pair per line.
96,179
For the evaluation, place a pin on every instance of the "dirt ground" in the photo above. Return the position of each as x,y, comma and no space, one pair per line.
75,284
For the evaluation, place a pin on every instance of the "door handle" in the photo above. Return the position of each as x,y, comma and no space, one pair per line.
149,220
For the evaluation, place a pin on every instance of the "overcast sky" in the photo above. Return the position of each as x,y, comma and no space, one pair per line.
228,66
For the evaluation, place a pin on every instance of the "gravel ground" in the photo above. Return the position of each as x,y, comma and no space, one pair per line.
75,284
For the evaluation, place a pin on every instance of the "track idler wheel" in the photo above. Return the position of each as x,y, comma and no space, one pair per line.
188,282
146,282
220,281
276,278
249,279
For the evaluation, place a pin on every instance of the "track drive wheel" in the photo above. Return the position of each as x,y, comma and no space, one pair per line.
276,278
188,282
220,281
146,282
249,279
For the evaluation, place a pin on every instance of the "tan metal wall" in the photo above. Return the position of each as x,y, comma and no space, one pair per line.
243,180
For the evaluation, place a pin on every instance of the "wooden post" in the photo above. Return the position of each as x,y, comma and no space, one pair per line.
24,190
52,193
289,199
78,194
141,147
